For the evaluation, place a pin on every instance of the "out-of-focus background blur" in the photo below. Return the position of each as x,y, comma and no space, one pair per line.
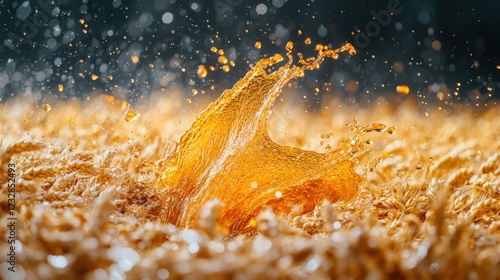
445,51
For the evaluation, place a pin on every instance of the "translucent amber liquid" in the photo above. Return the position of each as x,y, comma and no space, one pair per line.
227,155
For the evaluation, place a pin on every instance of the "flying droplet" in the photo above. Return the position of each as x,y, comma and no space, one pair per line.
307,41
403,89
258,45
131,115
391,130
374,127
223,59
327,135
60,87
47,107
94,77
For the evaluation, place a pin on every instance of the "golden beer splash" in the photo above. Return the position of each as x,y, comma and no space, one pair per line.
228,155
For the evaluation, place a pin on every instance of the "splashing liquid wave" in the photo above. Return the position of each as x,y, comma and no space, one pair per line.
228,155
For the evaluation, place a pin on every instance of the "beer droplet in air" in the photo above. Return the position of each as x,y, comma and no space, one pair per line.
374,127
47,107
213,49
289,46
403,89
391,130
258,45
223,59
131,115
226,68
60,87
307,41
202,71
94,77
135,59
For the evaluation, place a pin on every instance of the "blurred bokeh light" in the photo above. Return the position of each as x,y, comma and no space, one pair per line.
441,50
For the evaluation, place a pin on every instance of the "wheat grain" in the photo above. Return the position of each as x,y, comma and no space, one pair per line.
437,220
491,164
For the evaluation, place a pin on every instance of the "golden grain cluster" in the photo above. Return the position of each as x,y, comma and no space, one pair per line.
87,200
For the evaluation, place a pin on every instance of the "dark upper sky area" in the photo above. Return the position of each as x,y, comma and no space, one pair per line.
443,50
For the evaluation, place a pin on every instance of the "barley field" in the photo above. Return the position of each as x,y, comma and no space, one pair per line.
88,199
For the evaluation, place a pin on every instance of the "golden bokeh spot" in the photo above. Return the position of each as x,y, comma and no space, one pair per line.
403,89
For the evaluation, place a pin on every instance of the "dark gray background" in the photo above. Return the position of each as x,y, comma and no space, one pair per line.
35,55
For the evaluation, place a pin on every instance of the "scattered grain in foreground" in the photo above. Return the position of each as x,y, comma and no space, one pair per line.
87,205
